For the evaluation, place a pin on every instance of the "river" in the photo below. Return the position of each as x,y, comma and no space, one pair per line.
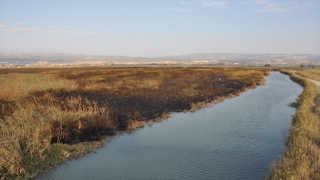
235,139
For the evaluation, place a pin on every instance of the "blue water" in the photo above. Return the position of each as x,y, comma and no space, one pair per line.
235,139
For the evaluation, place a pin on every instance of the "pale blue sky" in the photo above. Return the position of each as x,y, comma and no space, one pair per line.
151,28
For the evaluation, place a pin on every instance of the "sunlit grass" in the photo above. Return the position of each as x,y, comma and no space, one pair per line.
301,159
313,73
15,86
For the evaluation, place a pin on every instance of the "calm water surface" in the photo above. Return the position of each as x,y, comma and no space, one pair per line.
235,139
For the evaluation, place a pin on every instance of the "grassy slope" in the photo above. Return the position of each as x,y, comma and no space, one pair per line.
301,159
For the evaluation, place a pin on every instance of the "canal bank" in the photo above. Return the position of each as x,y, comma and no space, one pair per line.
301,159
237,138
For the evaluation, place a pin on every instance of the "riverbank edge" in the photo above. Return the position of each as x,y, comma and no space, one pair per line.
301,158
136,124
88,147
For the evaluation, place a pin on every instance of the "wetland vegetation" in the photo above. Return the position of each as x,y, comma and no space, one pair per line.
50,115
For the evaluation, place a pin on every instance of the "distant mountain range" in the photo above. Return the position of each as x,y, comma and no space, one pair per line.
31,58
244,56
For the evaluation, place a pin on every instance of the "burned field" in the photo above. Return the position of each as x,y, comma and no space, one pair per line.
116,96
43,107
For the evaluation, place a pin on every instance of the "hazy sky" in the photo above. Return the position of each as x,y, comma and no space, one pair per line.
153,28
